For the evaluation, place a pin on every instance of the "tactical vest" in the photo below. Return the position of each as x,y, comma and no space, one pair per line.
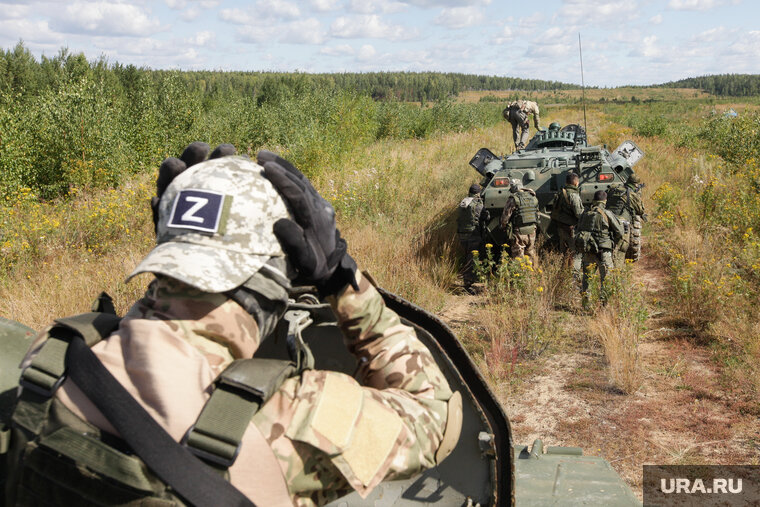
562,211
469,215
597,223
57,458
619,202
525,215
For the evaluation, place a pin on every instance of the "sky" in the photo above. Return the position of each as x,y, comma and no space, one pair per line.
636,42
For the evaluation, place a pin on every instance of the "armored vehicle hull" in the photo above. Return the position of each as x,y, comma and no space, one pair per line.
543,167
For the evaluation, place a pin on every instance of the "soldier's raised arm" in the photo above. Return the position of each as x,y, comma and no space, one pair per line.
391,422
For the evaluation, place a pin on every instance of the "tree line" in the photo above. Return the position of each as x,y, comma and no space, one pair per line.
68,123
734,85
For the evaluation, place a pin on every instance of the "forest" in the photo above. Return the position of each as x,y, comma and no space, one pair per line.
733,85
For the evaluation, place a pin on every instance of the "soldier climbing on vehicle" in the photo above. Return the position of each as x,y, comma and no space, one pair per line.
517,114
468,231
519,220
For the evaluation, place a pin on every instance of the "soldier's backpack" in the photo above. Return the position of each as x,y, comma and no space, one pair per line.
469,216
61,459
562,209
585,242
588,227
619,200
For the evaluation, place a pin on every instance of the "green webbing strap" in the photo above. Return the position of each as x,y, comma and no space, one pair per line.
240,390
47,370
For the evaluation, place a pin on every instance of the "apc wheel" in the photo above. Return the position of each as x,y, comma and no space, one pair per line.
634,248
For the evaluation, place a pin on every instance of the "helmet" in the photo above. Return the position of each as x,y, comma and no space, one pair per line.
633,179
215,225
475,189
600,195
554,125
515,185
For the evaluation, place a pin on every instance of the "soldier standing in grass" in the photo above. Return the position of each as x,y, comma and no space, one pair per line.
519,219
231,236
516,113
625,202
468,231
566,211
597,233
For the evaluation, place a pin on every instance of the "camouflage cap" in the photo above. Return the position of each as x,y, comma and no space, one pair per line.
633,179
215,225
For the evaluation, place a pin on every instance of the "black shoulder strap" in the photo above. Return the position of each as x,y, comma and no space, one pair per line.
171,462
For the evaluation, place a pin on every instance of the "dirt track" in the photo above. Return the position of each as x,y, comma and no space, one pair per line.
682,414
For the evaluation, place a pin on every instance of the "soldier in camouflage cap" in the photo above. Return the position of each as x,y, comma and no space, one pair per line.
232,234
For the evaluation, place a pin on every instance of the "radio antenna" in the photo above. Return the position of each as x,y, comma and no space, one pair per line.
583,87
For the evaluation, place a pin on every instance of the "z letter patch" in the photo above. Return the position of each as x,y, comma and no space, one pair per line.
200,210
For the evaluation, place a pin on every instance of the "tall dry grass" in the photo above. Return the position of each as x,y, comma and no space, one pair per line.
619,337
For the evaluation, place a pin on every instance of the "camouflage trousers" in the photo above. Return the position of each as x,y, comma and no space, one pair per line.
567,246
469,244
603,262
524,245
520,139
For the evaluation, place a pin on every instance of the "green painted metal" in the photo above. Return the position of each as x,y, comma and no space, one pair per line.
15,339
563,476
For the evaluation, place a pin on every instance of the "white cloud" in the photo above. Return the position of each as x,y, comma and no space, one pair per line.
105,18
447,3
694,5
15,11
204,38
460,17
339,50
656,20
366,53
190,14
505,36
590,12
746,45
236,16
369,27
307,31
34,33
713,35
648,48
325,5
181,4
376,6
279,9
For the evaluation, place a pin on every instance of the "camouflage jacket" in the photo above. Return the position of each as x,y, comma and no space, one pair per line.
526,107
323,434
568,206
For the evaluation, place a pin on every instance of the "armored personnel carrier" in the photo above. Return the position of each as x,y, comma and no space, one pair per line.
484,467
543,167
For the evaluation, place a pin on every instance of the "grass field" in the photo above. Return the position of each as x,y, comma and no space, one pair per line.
678,384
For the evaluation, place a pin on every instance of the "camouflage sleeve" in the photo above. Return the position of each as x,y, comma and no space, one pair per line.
332,434
509,208
616,228
576,204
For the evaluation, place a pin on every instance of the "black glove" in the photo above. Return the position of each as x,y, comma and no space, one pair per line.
172,167
312,243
